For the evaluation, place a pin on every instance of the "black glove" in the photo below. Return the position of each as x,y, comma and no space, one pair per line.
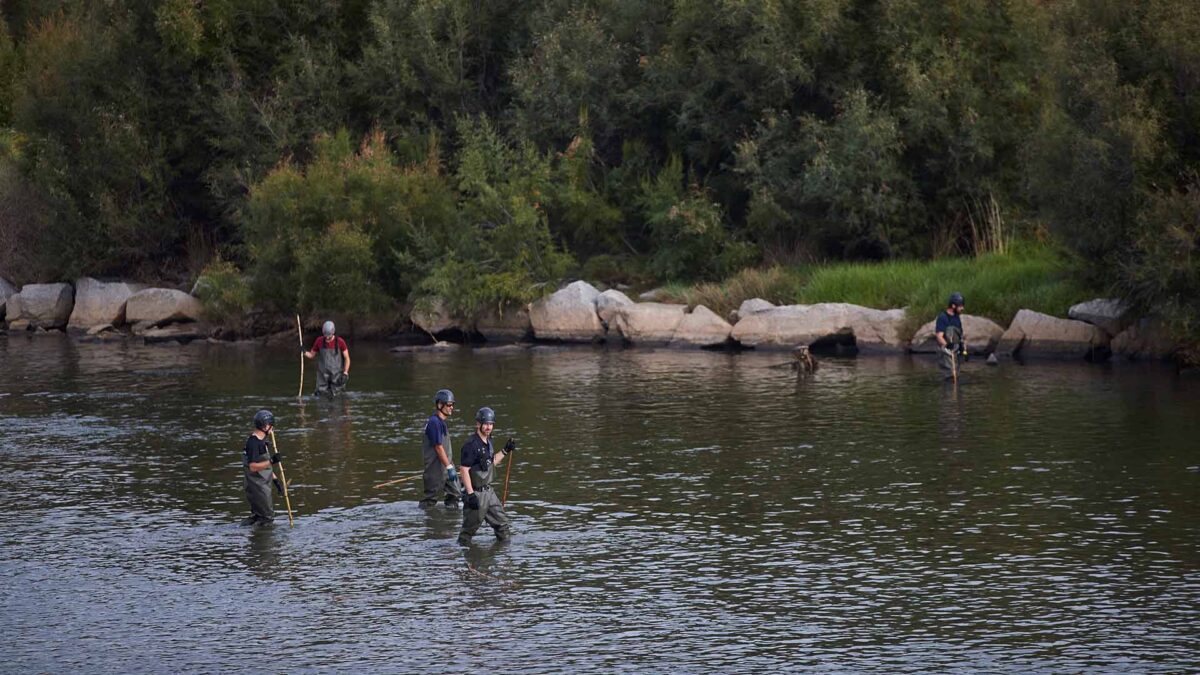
472,501
275,458
509,447
278,486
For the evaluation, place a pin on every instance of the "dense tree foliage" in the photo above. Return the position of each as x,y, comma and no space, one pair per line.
343,152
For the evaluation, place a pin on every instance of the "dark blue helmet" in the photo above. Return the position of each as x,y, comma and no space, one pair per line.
263,419
443,396
485,416
956,298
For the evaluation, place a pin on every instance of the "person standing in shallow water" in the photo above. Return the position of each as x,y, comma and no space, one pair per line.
333,361
258,459
477,470
440,478
949,334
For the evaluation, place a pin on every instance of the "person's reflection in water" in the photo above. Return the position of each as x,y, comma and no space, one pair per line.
262,552
951,416
482,561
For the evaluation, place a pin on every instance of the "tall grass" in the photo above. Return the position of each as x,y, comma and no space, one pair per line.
996,285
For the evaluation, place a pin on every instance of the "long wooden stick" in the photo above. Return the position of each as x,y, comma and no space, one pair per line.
507,471
283,479
400,480
300,334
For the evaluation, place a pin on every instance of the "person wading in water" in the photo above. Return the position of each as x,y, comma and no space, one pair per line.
440,477
257,459
477,469
333,361
949,333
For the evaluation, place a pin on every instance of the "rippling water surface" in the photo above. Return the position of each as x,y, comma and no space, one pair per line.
675,511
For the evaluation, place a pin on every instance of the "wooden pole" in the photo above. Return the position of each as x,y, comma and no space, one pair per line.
283,479
300,334
507,471
400,480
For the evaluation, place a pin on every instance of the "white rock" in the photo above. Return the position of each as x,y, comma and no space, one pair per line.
98,302
789,325
1103,312
1146,339
432,316
6,289
753,306
1037,335
650,295
701,328
647,322
102,328
568,314
159,306
981,332
609,300
511,325
183,333
42,305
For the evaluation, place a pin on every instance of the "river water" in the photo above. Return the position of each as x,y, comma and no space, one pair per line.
674,511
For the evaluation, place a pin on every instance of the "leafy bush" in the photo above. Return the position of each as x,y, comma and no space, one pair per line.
224,292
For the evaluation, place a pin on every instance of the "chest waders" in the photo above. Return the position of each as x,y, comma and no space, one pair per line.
436,484
258,493
329,366
490,509
949,362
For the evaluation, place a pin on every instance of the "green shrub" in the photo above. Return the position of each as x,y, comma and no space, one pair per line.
224,292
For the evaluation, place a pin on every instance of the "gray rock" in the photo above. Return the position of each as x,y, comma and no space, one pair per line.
180,332
42,305
982,335
432,316
160,306
18,325
789,325
98,303
608,301
1146,339
6,289
992,360
103,328
651,295
512,325
647,323
1036,335
1106,313
701,328
568,314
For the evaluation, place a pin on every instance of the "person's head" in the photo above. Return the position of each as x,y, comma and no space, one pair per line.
485,421
264,421
443,401
327,329
955,304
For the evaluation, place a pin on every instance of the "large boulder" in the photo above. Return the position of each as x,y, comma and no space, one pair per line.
98,302
647,322
432,316
982,335
569,314
785,327
42,305
1036,335
1106,313
748,307
608,301
6,290
511,325
160,306
701,328
1146,339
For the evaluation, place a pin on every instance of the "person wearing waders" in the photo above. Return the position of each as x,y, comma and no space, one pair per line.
477,469
949,333
333,361
257,460
441,480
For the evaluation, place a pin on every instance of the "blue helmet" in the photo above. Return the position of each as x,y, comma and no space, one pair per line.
263,419
956,298
443,396
485,416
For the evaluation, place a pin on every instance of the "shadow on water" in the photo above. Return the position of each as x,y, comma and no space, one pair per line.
864,517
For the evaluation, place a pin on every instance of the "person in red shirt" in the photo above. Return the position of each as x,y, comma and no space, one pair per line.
333,361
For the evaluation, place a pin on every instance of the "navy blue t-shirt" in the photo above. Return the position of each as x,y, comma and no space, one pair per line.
944,321
476,454
435,430
256,450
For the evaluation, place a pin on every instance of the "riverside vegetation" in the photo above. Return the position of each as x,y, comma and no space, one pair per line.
351,155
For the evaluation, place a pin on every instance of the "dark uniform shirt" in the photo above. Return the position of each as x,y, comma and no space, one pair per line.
435,430
256,450
944,322
477,455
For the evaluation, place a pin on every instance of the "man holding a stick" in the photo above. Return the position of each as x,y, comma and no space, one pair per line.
477,470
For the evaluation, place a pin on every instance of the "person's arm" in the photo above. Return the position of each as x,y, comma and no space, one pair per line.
464,475
259,466
442,457
346,361
309,354
941,339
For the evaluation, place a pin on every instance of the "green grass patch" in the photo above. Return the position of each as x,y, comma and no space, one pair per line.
995,285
